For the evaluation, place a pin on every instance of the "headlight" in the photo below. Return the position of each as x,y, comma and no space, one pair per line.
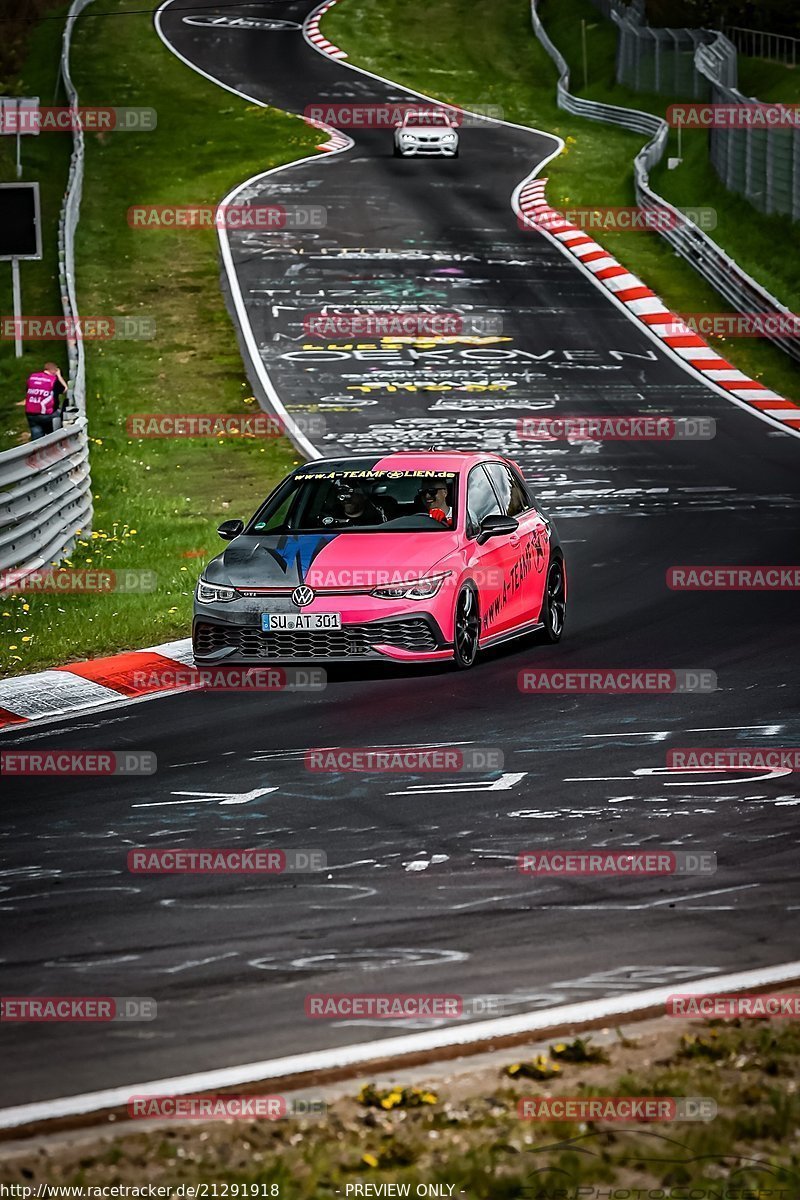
416,589
210,593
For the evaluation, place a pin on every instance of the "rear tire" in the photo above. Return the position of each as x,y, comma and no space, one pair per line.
554,607
466,629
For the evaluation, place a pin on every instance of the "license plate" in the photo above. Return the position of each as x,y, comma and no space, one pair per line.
308,622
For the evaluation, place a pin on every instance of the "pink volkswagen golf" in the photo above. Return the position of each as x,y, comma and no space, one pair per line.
415,557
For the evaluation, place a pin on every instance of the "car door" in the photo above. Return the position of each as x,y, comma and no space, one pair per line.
527,560
490,562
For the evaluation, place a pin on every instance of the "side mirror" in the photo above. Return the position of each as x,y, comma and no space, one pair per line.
229,530
495,526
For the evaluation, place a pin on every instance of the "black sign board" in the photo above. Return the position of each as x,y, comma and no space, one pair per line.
20,221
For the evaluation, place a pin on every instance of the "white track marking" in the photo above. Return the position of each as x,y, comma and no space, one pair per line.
47,693
618,1008
767,730
659,734
660,772
505,783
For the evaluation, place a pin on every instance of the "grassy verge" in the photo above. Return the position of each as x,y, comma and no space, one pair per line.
769,80
464,1132
440,54
158,502
766,247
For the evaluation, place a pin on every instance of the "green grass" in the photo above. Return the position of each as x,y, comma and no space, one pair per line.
769,80
469,1135
439,53
758,243
157,502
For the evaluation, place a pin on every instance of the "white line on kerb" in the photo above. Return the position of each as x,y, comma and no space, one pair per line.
619,1006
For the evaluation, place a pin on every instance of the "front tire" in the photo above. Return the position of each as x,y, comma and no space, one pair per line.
554,606
466,629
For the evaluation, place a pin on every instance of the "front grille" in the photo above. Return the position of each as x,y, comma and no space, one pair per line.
350,642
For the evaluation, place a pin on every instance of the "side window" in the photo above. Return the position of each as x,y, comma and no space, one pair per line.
481,500
521,500
513,498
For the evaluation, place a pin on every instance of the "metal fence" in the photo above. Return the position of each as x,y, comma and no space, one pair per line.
45,486
658,60
609,7
761,164
740,290
777,47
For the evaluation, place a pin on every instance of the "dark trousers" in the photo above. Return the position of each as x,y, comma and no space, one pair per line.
41,425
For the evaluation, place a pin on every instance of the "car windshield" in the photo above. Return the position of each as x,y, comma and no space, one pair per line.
427,118
361,501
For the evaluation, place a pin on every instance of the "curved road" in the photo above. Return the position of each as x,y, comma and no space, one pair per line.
421,891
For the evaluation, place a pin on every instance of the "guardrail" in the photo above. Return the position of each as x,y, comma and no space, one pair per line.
45,486
45,499
725,275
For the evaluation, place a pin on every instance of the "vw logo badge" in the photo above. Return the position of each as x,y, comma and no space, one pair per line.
301,596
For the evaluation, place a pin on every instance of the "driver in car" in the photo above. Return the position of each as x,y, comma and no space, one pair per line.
435,498
358,508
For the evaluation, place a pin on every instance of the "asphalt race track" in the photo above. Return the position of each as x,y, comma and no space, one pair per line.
422,891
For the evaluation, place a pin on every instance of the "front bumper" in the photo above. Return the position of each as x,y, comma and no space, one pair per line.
437,149
406,638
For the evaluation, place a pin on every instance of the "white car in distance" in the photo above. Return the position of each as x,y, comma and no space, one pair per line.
426,131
